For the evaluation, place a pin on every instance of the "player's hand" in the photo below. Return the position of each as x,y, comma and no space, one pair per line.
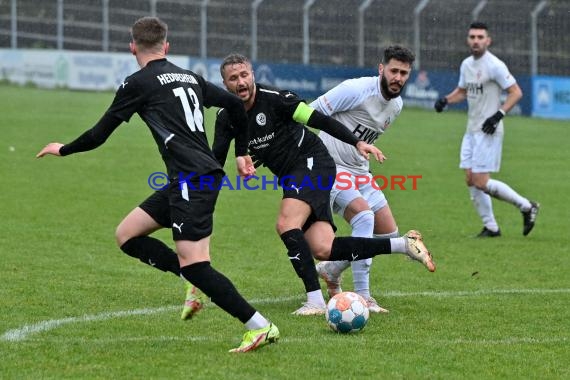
440,104
490,125
245,166
366,149
256,161
51,148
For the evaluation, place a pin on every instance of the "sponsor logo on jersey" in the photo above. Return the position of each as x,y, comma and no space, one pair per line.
474,88
366,134
261,142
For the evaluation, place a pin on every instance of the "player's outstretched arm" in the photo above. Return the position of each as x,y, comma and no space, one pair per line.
89,140
315,119
51,148
457,95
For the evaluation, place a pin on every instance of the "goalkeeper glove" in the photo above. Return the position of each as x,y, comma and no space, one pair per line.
440,104
490,125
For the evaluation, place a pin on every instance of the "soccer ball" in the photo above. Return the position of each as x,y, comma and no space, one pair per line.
347,312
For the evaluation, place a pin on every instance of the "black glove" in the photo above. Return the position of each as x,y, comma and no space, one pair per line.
440,104
490,125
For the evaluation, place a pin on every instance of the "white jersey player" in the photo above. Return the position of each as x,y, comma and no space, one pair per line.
482,79
367,106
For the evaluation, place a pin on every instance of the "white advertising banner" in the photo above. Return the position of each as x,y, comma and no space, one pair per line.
70,69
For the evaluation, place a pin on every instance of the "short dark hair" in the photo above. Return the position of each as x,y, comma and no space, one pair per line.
233,59
149,32
478,25
399,53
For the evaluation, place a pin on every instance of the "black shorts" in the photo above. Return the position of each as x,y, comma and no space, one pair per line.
311,180
187,209
157,207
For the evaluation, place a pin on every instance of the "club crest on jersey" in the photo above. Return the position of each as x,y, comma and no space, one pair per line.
261,119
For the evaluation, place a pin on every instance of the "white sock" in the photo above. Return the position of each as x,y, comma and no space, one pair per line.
398,245
361,276
504,192
484,206
362,226
361,270
316,298
258,321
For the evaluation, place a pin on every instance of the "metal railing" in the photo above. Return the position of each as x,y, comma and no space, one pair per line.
531,36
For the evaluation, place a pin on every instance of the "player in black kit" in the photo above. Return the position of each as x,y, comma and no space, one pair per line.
170,100
279,140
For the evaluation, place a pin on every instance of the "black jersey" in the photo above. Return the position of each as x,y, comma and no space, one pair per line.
171,101
275,139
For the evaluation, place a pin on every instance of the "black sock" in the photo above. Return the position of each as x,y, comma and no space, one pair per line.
358,248
301,258
152,252
219,288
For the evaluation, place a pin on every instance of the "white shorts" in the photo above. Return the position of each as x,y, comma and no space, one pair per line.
481,152
341,198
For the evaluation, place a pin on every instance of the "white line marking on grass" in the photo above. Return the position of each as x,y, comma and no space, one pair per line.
20,334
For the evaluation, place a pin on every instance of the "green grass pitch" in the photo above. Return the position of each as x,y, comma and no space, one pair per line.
75,307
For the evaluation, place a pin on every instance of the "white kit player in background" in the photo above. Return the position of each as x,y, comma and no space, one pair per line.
367,106
482,78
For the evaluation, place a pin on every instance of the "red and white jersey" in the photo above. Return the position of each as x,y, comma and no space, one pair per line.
360,106
484,79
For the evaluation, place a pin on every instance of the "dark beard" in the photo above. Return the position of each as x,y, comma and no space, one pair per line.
386,91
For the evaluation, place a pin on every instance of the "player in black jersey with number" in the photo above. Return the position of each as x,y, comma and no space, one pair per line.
170,101
279,140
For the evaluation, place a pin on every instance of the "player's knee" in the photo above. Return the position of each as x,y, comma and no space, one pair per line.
283,226
322,255
121,235
482,188
480,184
321,252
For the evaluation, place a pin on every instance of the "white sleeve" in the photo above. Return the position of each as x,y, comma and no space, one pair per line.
461,83
502,76
339,98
